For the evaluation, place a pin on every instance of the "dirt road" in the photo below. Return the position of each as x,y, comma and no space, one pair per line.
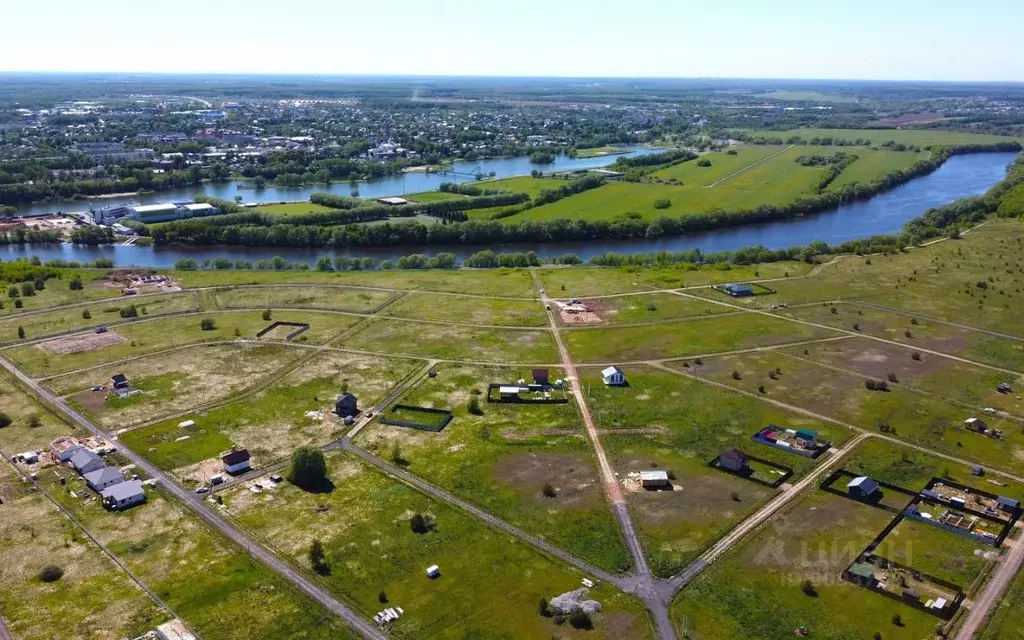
990,596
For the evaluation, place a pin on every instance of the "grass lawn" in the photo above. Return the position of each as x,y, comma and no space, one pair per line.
93,599
144,337
489,585
935,552
455,342
524,184
755,590
469,310
871,164
670,422
20,435
433,196
272,422
291,208
38,325
600,152
173,382
684,338
205,578
334,298
565,282
722,165
502,458
58,293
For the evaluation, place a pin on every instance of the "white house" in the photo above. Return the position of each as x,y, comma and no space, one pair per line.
100,479
613,376
237,462
85,461
124,494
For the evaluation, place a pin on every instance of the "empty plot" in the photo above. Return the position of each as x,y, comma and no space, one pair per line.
872,164
334,298
722,164
469,310
596,281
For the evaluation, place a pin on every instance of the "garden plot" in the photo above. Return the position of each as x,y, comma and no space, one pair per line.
489,582
172,382
528,463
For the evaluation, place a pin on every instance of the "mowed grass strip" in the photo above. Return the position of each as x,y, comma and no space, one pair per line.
334,298
469,310
693,337
39,325
146,336
490,583
501,457
454,342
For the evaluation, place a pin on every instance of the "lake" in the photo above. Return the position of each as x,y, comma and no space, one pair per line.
405,183
960,176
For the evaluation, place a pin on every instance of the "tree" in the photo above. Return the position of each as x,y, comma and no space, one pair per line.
318,559
396,454
5,420
75,284
18,303
207,324
21,332
543,608
86,314
28,289
580,619
474,406
51,573
266,315
12,292
703,162
382,597
548,490
809,589
420,523
324,263
129,312
35,421
897,620
309,470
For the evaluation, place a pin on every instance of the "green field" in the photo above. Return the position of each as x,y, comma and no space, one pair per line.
334,298
723,164
871,164
469,310
291,208
920,137
454,342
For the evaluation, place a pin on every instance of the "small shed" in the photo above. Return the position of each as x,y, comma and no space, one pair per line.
863,573
975,424
977,470
862,487
1007,504
808,435
613,376
346,405
119,381
237,462
1004,387
100,479
541,376
85,461
654,479
739,290
433,571
508,392
733,459
124,495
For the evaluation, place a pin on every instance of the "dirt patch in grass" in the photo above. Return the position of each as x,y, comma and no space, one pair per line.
878,359
93,402
81,342
573,478
695,499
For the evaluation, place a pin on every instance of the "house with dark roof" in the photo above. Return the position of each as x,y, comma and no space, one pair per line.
733,459
237,462
541,376
862,488
119,382
85,461
1007,504
100,479
346,405
124,494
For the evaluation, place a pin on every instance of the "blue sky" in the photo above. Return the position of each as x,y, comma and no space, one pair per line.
868,39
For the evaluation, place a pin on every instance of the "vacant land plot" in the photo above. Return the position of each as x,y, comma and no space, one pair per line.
932,551
489,585
38,325
503,456
920,137
295,410
455,342
665,421
141,338
722,164
872,164
469,310
58,292
32,426
649,308
93,599
760,588
173,382
183,561
334,298
582,282
687,338
1007,621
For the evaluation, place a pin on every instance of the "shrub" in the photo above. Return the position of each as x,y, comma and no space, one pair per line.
897,620
809,589
28,289
266,315
876,385
382,597
420,523
915,356
736,375
13,292
908,334
913,321
129,312
474,406
35,421
760,389
51,573
18,303
652,306
5,420
580,619
76,284
734,496
893,377
662,204
86,315
207,324
703,162
548,491
543,608
317,558
21,332
856,326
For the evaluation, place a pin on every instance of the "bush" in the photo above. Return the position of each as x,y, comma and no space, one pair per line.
382,598
703,162
736,375
51,573
876,385
5,420
893,377
18,303
809,589
207,324
580,619
13,292
28,289
309,470
129,312
549,491
662,204
474,406
21,332
543,608
266,315
76,284
34,421
86,315
420,523
915,356
897,620
317,558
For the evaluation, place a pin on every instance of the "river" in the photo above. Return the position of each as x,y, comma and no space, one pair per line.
405,183
960,176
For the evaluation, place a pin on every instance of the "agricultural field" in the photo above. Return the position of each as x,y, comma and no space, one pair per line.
313,297
454,342
273,421
40,325
371,549
723,164
77,351
920,137
501,457
201,374
469,310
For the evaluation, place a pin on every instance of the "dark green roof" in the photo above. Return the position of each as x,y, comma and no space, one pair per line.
863,570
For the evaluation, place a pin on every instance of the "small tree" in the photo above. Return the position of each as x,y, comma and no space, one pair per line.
12,291
892,377
75,284
5,420
809,589
382,597
131,311
548,490
543,608
86,315
18,303
396,454
580,619
35,421
897,620
736,375
419,523
318,559
21,332
474,406
266,315
915,356
51,573
207,324
28,289
309,470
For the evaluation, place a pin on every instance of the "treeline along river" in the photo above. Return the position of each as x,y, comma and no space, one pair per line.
958,177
